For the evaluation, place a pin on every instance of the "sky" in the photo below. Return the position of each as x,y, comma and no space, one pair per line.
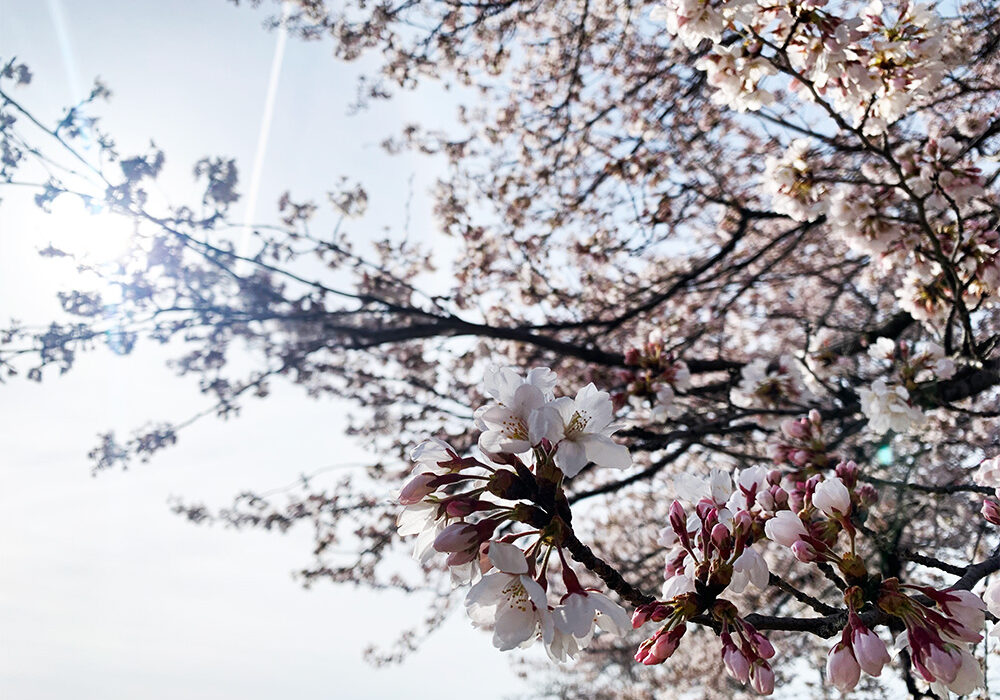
104,593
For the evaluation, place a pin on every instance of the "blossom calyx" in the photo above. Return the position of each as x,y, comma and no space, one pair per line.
531,515
853,567
509,486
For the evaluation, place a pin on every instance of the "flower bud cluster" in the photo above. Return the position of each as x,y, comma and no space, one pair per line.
653,377
938,637
455,505
746,656
859,649
434,509
800,443
819,509
711,544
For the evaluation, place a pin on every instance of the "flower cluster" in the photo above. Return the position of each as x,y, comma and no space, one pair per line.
891,406
524,414
653,378
859,649
455,506
801,444
788,179
711,552
716,535
920,208
938,635
870,67
771,385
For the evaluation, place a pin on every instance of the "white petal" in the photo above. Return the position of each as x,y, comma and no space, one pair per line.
513,627
545,422
543,378
570,457
526,399
605,452
596,405
575,615
482,600
508,558
613,617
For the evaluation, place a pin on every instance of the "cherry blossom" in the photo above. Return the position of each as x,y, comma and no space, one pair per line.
581,430
889,408
508,600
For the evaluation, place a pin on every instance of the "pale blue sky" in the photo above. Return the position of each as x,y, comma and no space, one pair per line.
103,593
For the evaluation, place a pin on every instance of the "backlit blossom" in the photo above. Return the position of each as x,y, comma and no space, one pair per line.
508,600
581,429
573,622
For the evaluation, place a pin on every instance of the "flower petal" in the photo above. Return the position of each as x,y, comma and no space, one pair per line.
570,457
508,558
605,452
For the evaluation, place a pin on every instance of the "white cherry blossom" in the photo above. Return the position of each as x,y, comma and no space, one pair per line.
785,528
581,428
888,408
749,567
505,425
508,601
832,497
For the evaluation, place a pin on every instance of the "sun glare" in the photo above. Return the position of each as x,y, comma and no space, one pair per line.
91,237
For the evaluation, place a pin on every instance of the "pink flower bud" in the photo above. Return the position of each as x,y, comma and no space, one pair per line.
461,507
765,649
803,551
660,646
942,662
967,613
660,613
457,537
663,648
814,417
678,518
832,497
762,678
704,509
462,557
737,664
991,510
721,537
870,651
799,458
848,472
867,495
779,496
742,523
795,429
796,499
416,489
676,565
842,668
